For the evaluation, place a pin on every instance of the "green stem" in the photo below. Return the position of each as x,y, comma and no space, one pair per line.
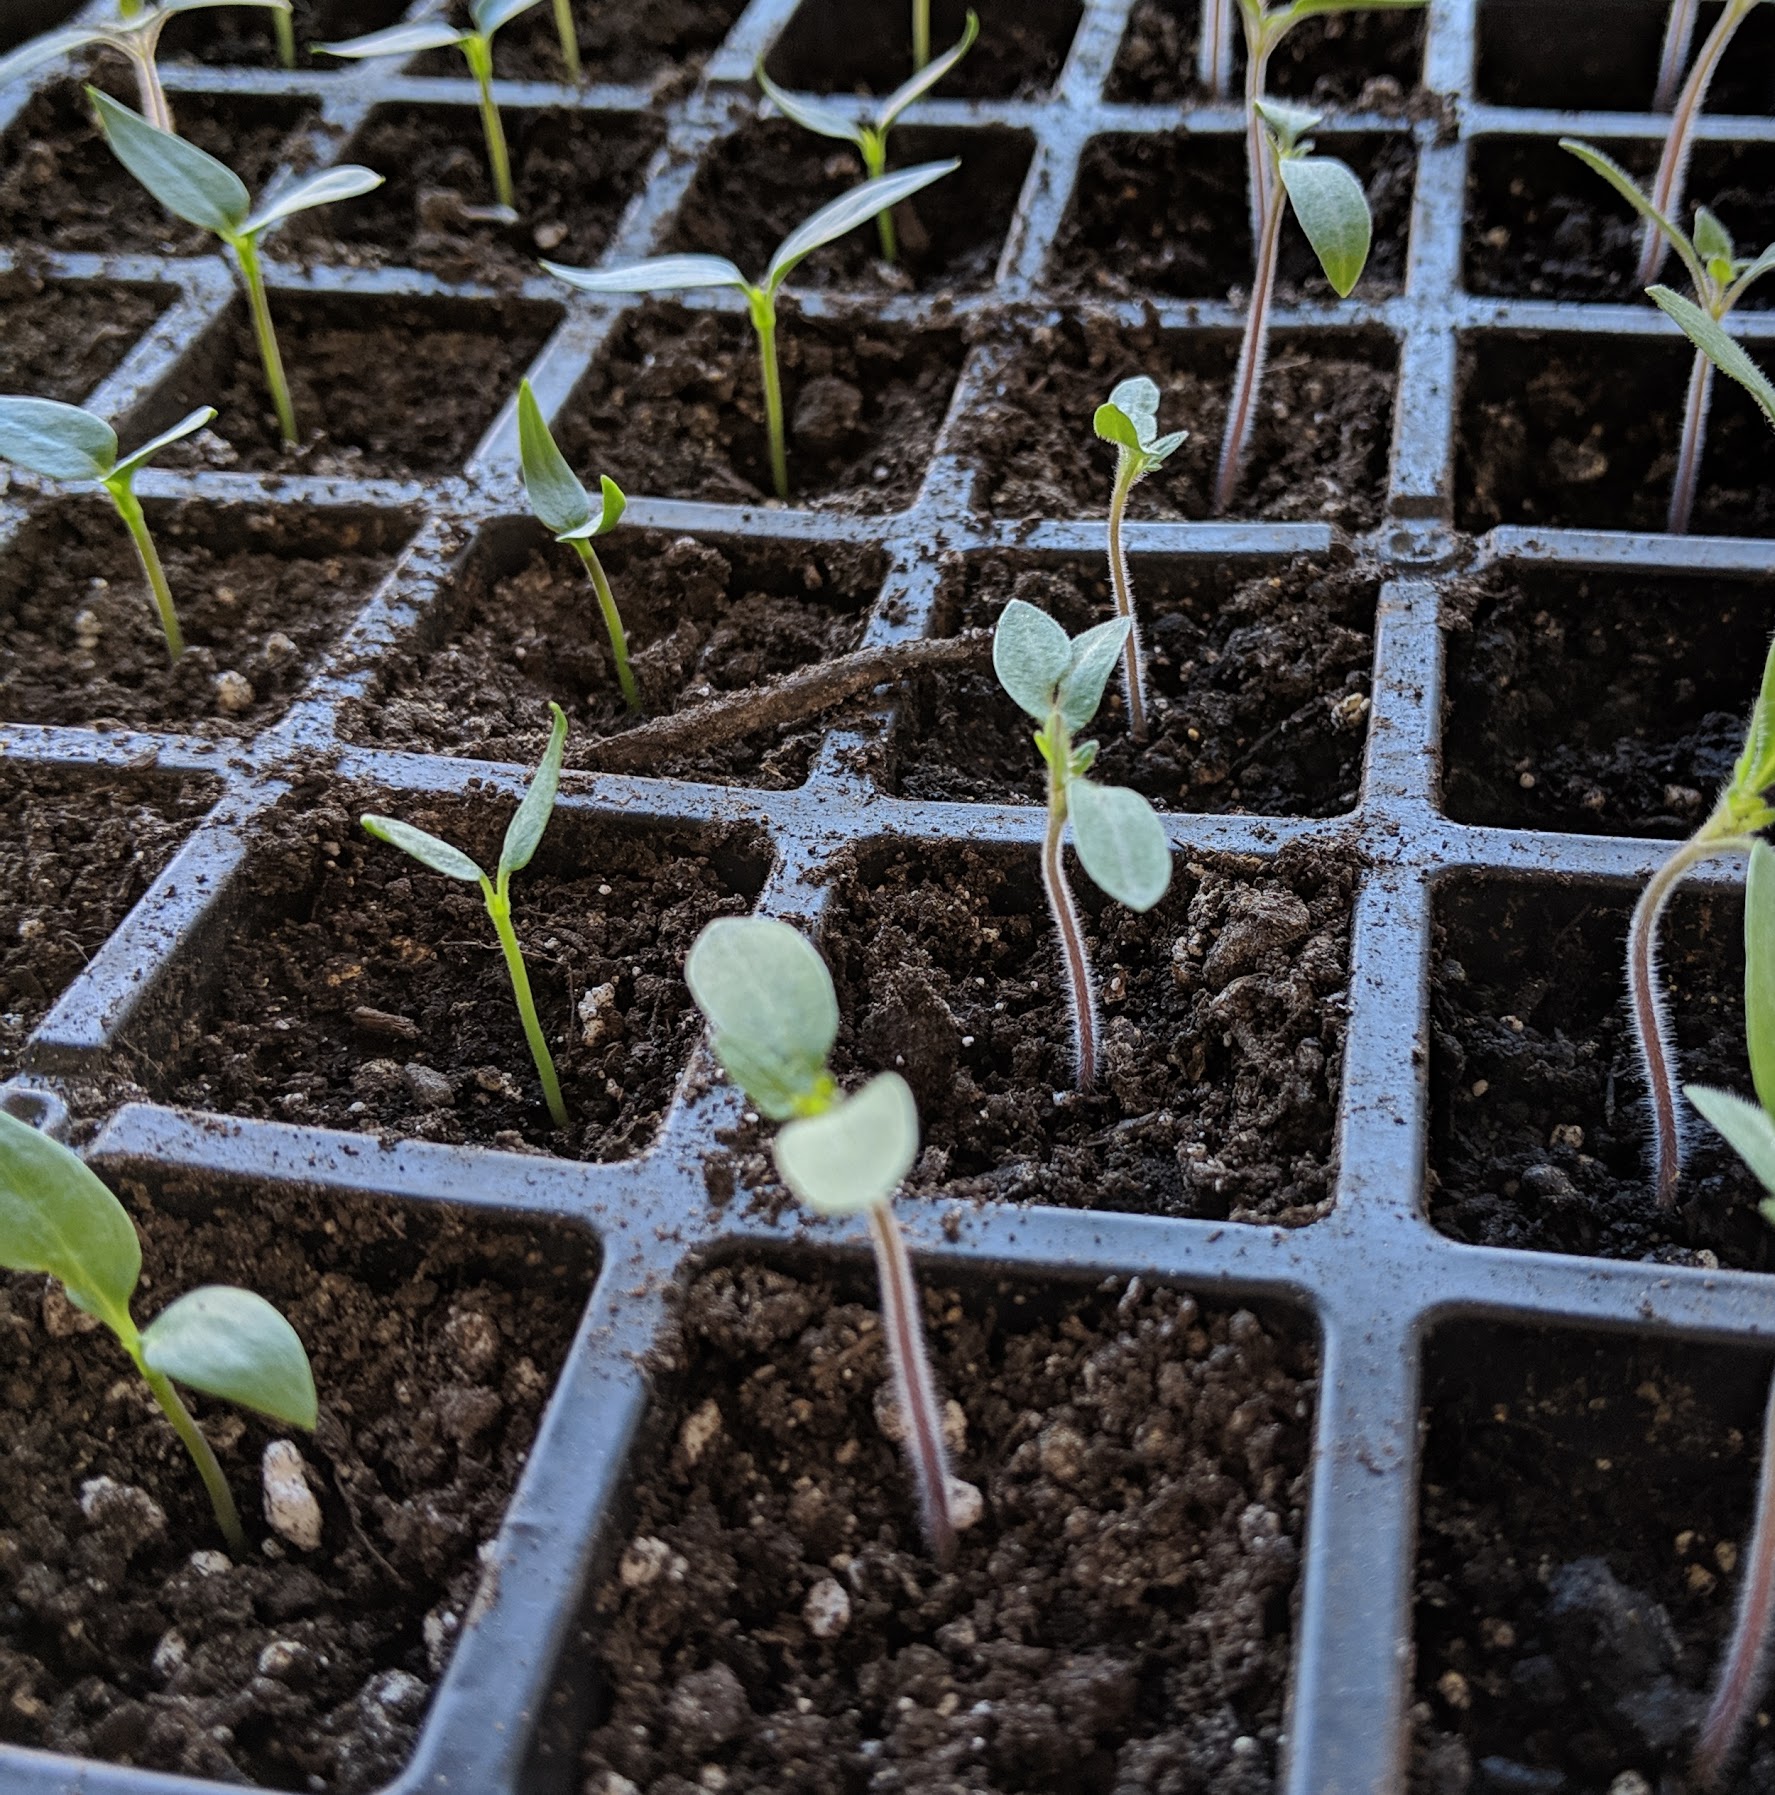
500,909
874,148
285,25
152,95
619,642
764,321
564,29
221,1497
246,252
129,508
921,33
480,62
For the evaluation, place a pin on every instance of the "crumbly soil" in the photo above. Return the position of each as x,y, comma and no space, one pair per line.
1120,1617
261,595
78,853
1318,452
673,407
128,1636
59,342
1257,685
662,41
1539,1136
1168,214
523,627
365,993
245,35
1585,1505
1609,704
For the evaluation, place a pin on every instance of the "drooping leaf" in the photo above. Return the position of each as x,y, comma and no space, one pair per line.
189,182
348,181
1759,972
188,425
1091,658
1121,842
1625,185
39,50
810,115
1030,655
489,15
855,1155
437,856
1748,1127
1722,350
658,274
916,86
848,211
231,1343
1288,124
1333,211
59,441
397,40
560,502
523,833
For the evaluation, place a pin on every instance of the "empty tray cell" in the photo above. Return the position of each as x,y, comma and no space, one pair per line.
245,35
520,626
756,186
435,1339
1608,703
59,340
1168,214
1585,1504
366,993
261,595
1257,684
24,19
1584,431
1319,450
619,40
1222,1028
1539,1137
1120,1616
674,407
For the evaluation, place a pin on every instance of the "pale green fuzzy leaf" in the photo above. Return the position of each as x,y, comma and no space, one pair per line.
348,181
1121,842
1030,655
1333,211
658,274
848,211
189,182
59,441
523,833
916,86
854,1155
397,40
560,502
1091,659
1138,400
188,425
1288,123
1722,350
1161,448
40,50
1748,1127
1115,426
1713,242
230,1343
437,856
810,115
1759,971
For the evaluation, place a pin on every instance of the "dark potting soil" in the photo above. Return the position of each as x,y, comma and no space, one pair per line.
1119,1617
1610,704
1585,1507
1169,215
246,34
701,617
76,852
1257,684
1539,1135
1319,449
368,994
619,40
59,342
128,1635
27,18
261,595
673,407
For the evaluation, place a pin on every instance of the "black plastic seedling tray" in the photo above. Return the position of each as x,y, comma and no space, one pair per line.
1372,1280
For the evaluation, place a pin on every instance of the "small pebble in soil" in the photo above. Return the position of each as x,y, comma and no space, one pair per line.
827,1611
291,1510
170,1654
699,1430
128,1516
428,1088
234,693
967,1506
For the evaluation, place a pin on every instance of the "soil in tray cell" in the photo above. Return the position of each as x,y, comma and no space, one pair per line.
674,408
59,342
246,34
1120,1615
1319,450
756,186
26,18
1609,704
1168,214
1257,683
366,993
661,41
702,616
128,1635
1539,1133
1586,1504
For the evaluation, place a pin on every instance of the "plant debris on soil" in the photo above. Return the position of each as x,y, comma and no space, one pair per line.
58,341
1120,1616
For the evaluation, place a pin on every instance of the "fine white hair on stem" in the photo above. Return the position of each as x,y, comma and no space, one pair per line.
1075,965
1656,1050
1679,32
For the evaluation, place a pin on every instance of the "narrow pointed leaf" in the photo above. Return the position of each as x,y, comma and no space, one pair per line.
186,426
658,274
397,40
489,15
1333,211
524,832
1161,448
348,181
1748,1128
189,182
437,856
848,211
59,441
1121,842
1092,659
810,115
1722,350
1115,426
1759,971
1751,272
1030,655
231,1343
560,502
1625,185
200,5
40,50
916,86
855,1155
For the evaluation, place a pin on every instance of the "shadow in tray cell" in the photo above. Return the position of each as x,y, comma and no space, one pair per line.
60,341
664,42
239,34
24,19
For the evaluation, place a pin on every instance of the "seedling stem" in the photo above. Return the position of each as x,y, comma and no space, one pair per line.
1081,991
479,52
1253,348
921,33
285,26
1214,49
763,308
265,335
1679,32
568,33
202,1454
499,907
1133,677
129,508
619,645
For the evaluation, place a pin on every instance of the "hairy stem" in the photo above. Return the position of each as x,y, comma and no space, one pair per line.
1214,49
1679,30
500,909
764,320
1257,161
247,254
569,36
1133,670
148,89
480,61
1688,467
1242,413
619,642
129,508
221,1497
1077,967
285,26
921,34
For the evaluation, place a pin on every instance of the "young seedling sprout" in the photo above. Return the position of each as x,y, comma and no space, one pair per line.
57,1217
192,185
562,505
870,135
1119,840
62,442
677,274
1333,211
522,837
773,1017
476,45
1721,279
1130,420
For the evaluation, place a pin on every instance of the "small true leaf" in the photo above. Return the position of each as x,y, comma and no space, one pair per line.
1748,1128
1030,655
848,211
1333,211
1722,350
348,181
397,40
1137,398
437,856
189,182
1289,123
1759,971
553,489
523,833
658,274
190,423
59,441
1092,657
1115,426
855,1155
1121,842
233,1344
1713,242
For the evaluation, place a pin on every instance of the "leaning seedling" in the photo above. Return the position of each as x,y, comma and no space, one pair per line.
676,274
57,1217
1333,211
194,186
564,506
773,1017
1130,420
1119,839
522,837
870,135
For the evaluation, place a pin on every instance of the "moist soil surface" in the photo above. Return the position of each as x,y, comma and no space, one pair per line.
663,41
127,1635
701,617
1585,1509
1318,451
1257,685
261,595
59,342
1538,1111
1119,1617
366,993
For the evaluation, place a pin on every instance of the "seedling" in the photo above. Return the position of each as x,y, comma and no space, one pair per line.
1721,279
1679,33
476,45
62,442
1333,211
1130,420
677,274
871,134
921,34
568,33
562,505
57,1217
1119,840
194,186
773,1017
522,837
